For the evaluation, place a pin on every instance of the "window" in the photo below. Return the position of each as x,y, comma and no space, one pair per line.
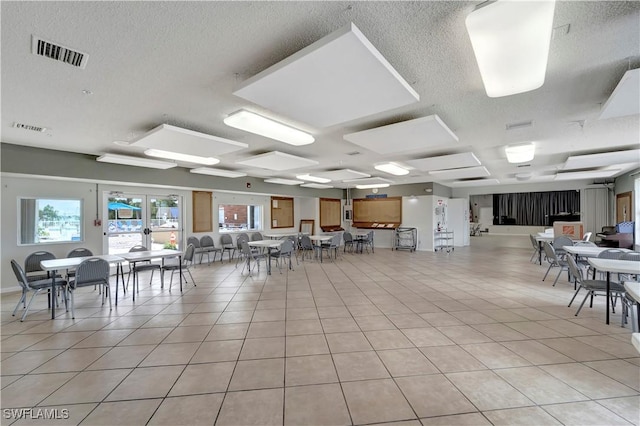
45,221
239,217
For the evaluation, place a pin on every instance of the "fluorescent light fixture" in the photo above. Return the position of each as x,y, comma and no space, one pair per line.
343,174
520,153
339,78
511,41
283,181
601,159
442,162
313,178
475,182
167,138
373,185
209,161
263,126
135,161
392,169
587,174
410,135
365,181
467,172
217,172
624,99
278,161
316,186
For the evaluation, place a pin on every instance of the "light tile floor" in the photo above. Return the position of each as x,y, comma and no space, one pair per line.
472,337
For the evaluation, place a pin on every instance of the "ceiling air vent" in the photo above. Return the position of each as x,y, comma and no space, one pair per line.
353,153
49,49
29,127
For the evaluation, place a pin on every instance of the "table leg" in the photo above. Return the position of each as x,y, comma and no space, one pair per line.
53,294
117,281
607,294
180,268
540,252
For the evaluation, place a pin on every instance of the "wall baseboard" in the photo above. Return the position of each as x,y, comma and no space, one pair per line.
7,290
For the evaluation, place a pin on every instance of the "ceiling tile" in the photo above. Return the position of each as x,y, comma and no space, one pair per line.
342,174
412,135
280,181
442,162
316,186
339,78
467,172
368,181
278,161
176,139
602,159
625,99
475,182
587,174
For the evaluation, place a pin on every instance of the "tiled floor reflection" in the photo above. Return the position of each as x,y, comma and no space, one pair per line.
472,337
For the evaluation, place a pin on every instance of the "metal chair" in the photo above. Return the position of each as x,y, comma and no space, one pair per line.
91,272
286,250
227,245
256,237
242,238
250,255
207,246
593,287
368,242
78,252
32,268
536,247
187,261
587,236
195,242
34,285
559,243
333,244
348,242
142,266
554,261
306,246
628,302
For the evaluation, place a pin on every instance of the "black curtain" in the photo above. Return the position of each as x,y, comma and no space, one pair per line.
533,208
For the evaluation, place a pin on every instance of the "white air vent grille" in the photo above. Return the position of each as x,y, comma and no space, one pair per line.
29,127
58,52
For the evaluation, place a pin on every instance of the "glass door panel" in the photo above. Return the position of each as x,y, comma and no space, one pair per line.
126,222
165,222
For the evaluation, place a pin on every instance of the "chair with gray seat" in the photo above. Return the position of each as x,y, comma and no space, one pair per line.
77,252
559,243
226,241
36,286
332,245
195,242
628,302
256,237
593,287
306,246
91,272
248,255
142,266
347,237
285,252
207,246
174,265
240,239
536,248
32,268
554,261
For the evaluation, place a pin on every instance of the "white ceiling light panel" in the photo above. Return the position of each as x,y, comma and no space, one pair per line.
587,174
602,159
373,185
418,134
263,126
277,161
442,162
511,42
135,161
283,181
343,174
217,172
310,178
170,138
316,186
520,153
368,181
177,156
475,182
339,78
392,169
467,172
625,99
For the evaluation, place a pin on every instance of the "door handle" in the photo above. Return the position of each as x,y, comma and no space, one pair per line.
147,231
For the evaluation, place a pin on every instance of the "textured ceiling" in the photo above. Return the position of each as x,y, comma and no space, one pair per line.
179,63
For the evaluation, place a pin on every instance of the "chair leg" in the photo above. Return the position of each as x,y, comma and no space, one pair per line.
26,310
22,300
557,276
574,296
584,300
547,273
192,280
107,289
73,304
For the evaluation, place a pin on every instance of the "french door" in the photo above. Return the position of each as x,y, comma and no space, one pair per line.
137,219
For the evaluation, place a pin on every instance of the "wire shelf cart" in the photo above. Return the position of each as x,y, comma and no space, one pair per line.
443,240
405,239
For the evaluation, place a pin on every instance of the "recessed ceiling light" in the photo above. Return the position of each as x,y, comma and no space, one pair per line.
316,186
135,161
392,169
263,126
278,161
121,143
177,156
373,185
87,92
520,153
283,181
217,172
313,178
511,41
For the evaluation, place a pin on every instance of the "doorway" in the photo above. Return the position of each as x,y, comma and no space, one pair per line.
623,207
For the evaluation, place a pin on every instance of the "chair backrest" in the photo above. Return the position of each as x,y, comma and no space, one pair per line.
80,252
561,241
137,248
32,262
188,254
242,238
305,243
335,241
20,275
193,241
206,241
534,243
631,255
549,252
587,236
256,237
226,240
244,235
348,238
92,271
585,244
244,247
612,253
286,247
574,270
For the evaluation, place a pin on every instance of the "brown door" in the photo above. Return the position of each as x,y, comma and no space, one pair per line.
623,207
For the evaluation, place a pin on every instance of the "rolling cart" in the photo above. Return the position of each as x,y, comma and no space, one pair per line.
443,240
405,239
